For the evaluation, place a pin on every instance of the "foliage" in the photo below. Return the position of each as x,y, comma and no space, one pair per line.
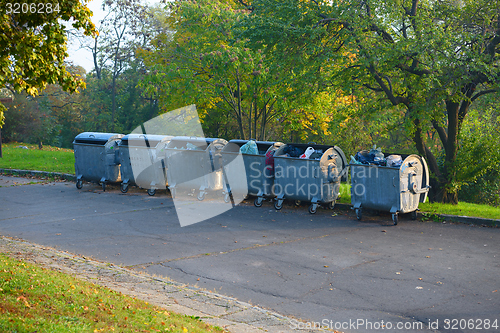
33,45
479,156
37,299
203,63
431,59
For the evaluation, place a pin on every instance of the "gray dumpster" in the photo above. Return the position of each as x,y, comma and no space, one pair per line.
194,164
259,176
313,180
140,164
96,158
392,189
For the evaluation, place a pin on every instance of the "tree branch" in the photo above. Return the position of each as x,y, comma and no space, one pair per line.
441,132
481,93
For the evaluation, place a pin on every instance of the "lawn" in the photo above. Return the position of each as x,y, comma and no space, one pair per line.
36,299
49,158
462,209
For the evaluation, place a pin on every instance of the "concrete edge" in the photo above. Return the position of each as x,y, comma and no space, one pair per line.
17,172
240,317
342,206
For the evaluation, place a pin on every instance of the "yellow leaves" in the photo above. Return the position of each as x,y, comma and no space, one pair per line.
184,329
24,300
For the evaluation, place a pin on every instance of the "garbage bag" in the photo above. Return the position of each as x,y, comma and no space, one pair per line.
270,160
293,151
394,161
250,148
190,146
307,153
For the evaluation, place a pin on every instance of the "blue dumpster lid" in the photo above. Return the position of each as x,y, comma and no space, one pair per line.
96,138
143,140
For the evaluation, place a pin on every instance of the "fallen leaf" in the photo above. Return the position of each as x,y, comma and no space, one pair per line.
325,266
419,288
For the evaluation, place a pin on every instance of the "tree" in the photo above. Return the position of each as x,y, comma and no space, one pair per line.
203,63
33,45
431,58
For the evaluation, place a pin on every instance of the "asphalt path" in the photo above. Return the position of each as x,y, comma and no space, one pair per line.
327,269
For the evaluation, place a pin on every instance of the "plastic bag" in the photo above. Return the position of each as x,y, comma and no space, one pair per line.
270,160
190,146
293,151
307,153
250,148
394,161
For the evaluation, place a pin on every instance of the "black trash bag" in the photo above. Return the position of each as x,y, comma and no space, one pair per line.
366,157
293,151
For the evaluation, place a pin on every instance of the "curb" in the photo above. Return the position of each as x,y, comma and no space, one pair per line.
215,309
17,172
446,217
342,206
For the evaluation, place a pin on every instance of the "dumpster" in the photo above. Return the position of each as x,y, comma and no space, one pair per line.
194,164
259,175
396,189
141,164
96,158
315,179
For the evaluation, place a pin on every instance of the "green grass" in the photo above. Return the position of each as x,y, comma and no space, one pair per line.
462,209
35,299
49,158
345,193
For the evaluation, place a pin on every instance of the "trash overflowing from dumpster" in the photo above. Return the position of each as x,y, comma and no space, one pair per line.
388,182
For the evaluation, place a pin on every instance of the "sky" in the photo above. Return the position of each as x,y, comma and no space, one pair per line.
81,56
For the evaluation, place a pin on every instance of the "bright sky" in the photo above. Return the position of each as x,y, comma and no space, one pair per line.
83,57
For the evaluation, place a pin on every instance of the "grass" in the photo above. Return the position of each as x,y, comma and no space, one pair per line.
49,158
462,209
62,160
36,299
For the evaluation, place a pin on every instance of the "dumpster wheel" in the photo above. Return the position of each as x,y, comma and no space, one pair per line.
201,195
124,188
257,202
414,215
359,213
151,191
395,219
278,204
79,184
227,197
103,186
312,209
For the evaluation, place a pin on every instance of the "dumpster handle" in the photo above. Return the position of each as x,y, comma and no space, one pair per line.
393,181
91,136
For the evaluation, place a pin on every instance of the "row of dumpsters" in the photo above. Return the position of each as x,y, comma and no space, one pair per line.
201,166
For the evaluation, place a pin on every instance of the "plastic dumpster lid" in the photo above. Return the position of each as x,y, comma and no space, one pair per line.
139,140
96,138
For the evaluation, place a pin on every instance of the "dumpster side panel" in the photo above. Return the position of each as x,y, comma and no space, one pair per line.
375,187
298,179
187,168
89,162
